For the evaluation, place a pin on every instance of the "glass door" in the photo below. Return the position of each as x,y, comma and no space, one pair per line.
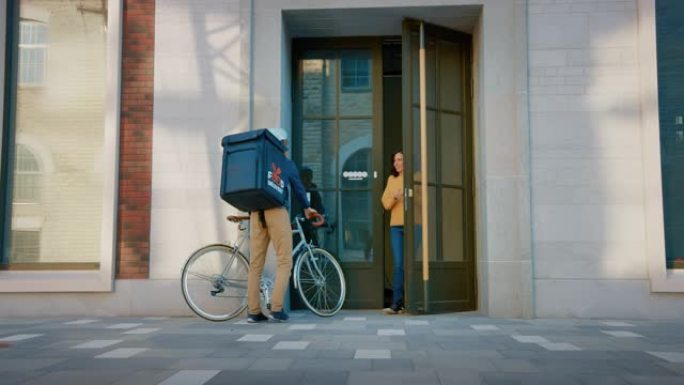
337,132
448,282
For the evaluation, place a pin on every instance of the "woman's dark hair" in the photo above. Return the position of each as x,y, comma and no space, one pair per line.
394,170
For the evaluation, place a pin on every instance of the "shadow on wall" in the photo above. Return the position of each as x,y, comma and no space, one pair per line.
198,80
588,185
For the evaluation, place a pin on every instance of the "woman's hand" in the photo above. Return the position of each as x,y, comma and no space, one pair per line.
398,194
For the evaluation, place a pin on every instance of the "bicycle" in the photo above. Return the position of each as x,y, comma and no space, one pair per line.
214,277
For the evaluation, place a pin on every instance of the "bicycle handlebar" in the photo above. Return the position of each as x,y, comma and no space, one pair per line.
317,220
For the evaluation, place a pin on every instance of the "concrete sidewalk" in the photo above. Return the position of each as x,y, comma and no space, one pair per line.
354,347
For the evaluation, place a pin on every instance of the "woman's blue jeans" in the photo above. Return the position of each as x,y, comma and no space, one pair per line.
397,240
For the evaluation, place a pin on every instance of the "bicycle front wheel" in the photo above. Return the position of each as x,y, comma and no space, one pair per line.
320,282
214,282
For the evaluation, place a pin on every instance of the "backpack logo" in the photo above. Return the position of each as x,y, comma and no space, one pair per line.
274,178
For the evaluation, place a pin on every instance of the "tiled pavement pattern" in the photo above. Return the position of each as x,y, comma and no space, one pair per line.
354,347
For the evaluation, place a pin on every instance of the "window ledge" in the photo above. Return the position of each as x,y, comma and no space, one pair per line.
55,281
672,281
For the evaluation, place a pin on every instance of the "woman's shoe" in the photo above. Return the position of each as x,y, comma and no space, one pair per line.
394,309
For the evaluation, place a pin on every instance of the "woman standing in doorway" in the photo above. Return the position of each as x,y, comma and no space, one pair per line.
393,201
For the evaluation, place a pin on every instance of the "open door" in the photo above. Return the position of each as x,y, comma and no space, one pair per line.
444,278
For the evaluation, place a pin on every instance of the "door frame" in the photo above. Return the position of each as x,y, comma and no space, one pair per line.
370,276
415,298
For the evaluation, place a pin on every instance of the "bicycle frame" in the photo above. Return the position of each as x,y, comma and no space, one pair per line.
301,248
237,244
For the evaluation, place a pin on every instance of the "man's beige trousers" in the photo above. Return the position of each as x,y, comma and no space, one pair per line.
279,231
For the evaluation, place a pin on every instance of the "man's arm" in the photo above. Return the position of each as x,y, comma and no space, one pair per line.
297,185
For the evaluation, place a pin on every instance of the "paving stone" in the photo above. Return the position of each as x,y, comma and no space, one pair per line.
18,337
258,377
145,377
271,364
514,365
81,322
291,345
331,364
530,339
618,324
21,364
440,348
210,363
393,378
558,346
391,332
124,326
190,377
364,354
121,353
96,344
72,377
142,331
622,334
324,377
482,328
255,338
302,327
396,365
597,379
669,356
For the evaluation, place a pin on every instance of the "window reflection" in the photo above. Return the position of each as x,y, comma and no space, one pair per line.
336,142
57,210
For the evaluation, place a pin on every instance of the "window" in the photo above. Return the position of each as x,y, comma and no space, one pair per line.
356,74
32,52
27,177
26,246
670,55
65,118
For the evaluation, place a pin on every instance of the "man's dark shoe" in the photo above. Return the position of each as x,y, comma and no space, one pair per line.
279,316
256,318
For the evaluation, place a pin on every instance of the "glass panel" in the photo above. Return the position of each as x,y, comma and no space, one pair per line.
356,226
451,149
57,176
32,52
670,34
452,224
27,176
319,84
418,220
430,71
450,84
26,246
356,96
328,235
319,146
431,143
356,142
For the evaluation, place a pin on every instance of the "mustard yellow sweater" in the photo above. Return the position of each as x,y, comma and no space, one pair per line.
395,206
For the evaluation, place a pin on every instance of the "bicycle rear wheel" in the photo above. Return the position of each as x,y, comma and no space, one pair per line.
320,282
214,282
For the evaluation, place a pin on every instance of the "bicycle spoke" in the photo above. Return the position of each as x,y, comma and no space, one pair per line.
221,290
198,275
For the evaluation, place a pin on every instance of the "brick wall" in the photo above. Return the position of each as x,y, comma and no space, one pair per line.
135,163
